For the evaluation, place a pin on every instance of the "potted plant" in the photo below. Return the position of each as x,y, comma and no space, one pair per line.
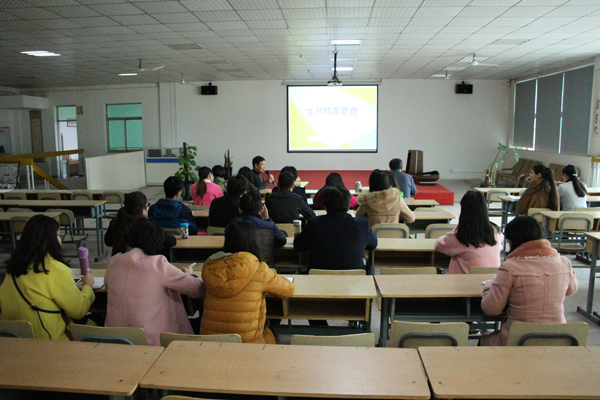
187,155
490,173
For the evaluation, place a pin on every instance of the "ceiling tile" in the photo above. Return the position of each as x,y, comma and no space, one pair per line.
254,15
206,5
175,18
254,4
160,7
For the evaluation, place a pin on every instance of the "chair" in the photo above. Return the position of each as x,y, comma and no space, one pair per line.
316,271
534,334
493,196
383,230
101,334
535,213
483,270
415,334
215,231
434,231
15,196
17,329
571,229
49,196
67,222
414,167
357,340
19,209
113,198
267,246
17,224
168,337
287,229
82,195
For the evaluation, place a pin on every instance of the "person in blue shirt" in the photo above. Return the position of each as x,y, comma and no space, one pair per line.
406,183
170,212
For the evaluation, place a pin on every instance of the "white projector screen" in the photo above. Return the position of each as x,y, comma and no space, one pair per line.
332,119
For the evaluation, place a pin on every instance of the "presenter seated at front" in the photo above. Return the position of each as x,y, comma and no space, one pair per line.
406,183
144,289
476,242
336,240
259,167
383,203
205,191
285,206
37,275
170,212
572,192
533,281
236,283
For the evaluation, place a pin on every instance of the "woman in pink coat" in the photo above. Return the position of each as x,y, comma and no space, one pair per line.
533,281
476,242
144,289
205,191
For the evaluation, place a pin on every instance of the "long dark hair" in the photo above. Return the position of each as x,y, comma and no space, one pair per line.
571,172
521,230
133,207
39,239
241,235
548,177
378,181
334,179
474,226
203,173
246,173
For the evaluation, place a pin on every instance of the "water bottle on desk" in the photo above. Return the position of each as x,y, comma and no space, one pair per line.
84,260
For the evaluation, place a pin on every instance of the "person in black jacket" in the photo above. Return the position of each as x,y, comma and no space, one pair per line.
225,209
253,210
300,191
134,208
285,206
336,240
259,166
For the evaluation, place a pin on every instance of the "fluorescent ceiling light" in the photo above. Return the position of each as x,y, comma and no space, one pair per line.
343,69
346,42
128,74
40,53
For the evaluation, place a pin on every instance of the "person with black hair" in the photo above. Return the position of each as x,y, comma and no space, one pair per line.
134,208
406,183
252,209
333,180
170,212
39,286
533,281
541,192
205,190
285,206
259,166
476,241
218,172
225,209
336,240
247,173
383,203
300,191
144,289
236,283
572,192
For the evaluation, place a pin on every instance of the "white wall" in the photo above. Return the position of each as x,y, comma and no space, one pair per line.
121,171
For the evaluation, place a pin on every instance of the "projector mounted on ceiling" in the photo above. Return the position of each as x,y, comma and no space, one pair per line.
334,80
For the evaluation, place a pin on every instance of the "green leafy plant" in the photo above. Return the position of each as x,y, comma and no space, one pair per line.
187,163
498,161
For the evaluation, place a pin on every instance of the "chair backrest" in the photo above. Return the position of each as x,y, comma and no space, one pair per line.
384,230
483,270
15,196
493,196
575,222
534,334
49,196
17,224
357,340
535,214
168,337
66,217
316,271
267,246
81,195
286,229
408,271
114,198
415,334
18,329
101,334
434,231
19,209
215,231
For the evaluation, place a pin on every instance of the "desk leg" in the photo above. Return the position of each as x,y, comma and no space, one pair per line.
385,322
588,313
98,211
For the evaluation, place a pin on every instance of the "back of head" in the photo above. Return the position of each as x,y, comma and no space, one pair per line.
336,198
521,230
395,163
241,235
257,160
474,227
291,170
246,173
135,203
251,203
218,171
378,181
172,186
392,179
147,236
286,180
548,177
203,173
571,172
335,179
237,185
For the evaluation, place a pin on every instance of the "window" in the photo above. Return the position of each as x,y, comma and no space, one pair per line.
124,125
67,129
552,113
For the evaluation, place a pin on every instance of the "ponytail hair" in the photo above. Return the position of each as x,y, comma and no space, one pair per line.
571,172
548,177
203,173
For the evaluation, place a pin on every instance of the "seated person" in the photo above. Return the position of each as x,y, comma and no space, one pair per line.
383,203
144,288
170,212
134,208
225,209
285,206
205,191
259,166
406,183
572,192
295,189
333,179
219,177
236,284
336,240
532,281
37,274
541,192
252,209
247,173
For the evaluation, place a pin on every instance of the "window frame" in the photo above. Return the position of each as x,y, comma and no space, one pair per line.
124,119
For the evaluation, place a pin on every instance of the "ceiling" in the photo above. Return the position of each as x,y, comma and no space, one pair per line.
216,40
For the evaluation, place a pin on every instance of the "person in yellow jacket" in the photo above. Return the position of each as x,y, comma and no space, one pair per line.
39,287
236,283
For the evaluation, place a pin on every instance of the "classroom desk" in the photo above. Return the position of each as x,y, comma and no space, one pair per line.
32,194
324,212
511,372
76,367
425,218
593,247
81,208
508,209
6,216
593,201
512,190
555,215
414,203
430,298
403,249
200,213
275,370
